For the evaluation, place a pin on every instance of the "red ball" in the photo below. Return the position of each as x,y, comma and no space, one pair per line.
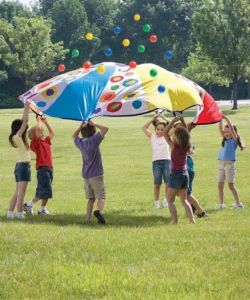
153,38
132,65
61,68
87,65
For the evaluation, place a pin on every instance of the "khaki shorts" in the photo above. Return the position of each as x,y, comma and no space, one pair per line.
94,187
226,171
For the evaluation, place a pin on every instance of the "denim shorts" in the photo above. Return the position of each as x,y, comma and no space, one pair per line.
178,180
190,184
161,169
22,171
44,178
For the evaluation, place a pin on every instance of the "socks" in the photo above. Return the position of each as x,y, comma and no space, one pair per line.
20,215
30,203
42,208
10,215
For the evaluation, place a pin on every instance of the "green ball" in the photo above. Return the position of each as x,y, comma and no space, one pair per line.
75,52
146,28
153,72
141,48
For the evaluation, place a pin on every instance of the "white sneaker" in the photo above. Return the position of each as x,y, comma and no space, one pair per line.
44,212
21,217
165,203
157,205
238,206
10,217
220,206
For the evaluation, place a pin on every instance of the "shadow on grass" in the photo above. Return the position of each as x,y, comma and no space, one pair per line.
113,219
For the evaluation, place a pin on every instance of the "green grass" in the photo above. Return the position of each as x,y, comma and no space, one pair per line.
139,254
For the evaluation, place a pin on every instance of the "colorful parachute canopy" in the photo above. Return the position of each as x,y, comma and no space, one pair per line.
119,91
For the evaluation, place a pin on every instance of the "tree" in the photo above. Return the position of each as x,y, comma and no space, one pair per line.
9,10
223,30
27,51
203,70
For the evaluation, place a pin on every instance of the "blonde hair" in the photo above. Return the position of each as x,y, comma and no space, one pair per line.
31,132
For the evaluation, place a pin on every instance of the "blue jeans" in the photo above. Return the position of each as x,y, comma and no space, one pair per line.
178,180
161,169
44,178
22,171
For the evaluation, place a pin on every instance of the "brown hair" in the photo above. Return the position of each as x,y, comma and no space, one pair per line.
156,123
239,140
15,126
88,130
183,137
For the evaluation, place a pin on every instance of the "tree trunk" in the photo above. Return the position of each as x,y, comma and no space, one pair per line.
248,89
210,88
235,85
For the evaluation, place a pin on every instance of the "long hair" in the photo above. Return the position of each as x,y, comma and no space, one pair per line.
15,126
183,138
239,140
87,130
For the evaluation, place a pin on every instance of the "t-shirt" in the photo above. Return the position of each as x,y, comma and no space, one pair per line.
160,148
23,155
228,152
190,164
91,155
43,151
178,159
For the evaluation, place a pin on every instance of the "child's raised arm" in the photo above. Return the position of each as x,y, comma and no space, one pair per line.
78,130
25,119
103,129
220,129
231,128
50,129
146,125
166,132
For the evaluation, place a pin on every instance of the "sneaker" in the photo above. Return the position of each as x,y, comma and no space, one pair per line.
21,217
157,206
100,217
165,203
44,212
238,206
28,209
10,217
220,206
202,215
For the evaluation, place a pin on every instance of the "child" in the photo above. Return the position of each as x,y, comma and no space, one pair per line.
161,158
181,147
227,158
18,140
92,169
42,147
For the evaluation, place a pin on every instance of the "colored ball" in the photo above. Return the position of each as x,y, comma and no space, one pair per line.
153,38
141,48
146,27
161,88
87,65
101,69
132,64
75,52
137,17
61,68
153,72
108,52
126,42
89,36
169,54
117,30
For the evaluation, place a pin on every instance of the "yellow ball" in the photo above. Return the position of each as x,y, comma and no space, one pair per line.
126,43
137,17
101,69
89,36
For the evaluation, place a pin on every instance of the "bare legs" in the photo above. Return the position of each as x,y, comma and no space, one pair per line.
18,198
157,188
192,200
232,189
90,206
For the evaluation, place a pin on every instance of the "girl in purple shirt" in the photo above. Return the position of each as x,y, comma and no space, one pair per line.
181,147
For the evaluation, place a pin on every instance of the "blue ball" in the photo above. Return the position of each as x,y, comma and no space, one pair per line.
169,54
108,52
161,88
117,30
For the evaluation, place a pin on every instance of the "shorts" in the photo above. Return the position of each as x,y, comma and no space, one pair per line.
178,180
22,171
226,171
190,183
44,178
161,169
94,187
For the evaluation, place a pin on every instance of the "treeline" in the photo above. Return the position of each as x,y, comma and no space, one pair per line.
209,40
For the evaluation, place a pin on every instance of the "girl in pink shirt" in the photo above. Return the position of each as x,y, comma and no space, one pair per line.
178,182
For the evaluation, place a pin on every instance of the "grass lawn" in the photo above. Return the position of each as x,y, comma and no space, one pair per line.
139,254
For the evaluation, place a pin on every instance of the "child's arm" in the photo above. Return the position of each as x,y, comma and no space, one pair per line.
220,129
103,129
183,121
166,132
164,118
25,119
231,128
78,130
50,129
145,126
